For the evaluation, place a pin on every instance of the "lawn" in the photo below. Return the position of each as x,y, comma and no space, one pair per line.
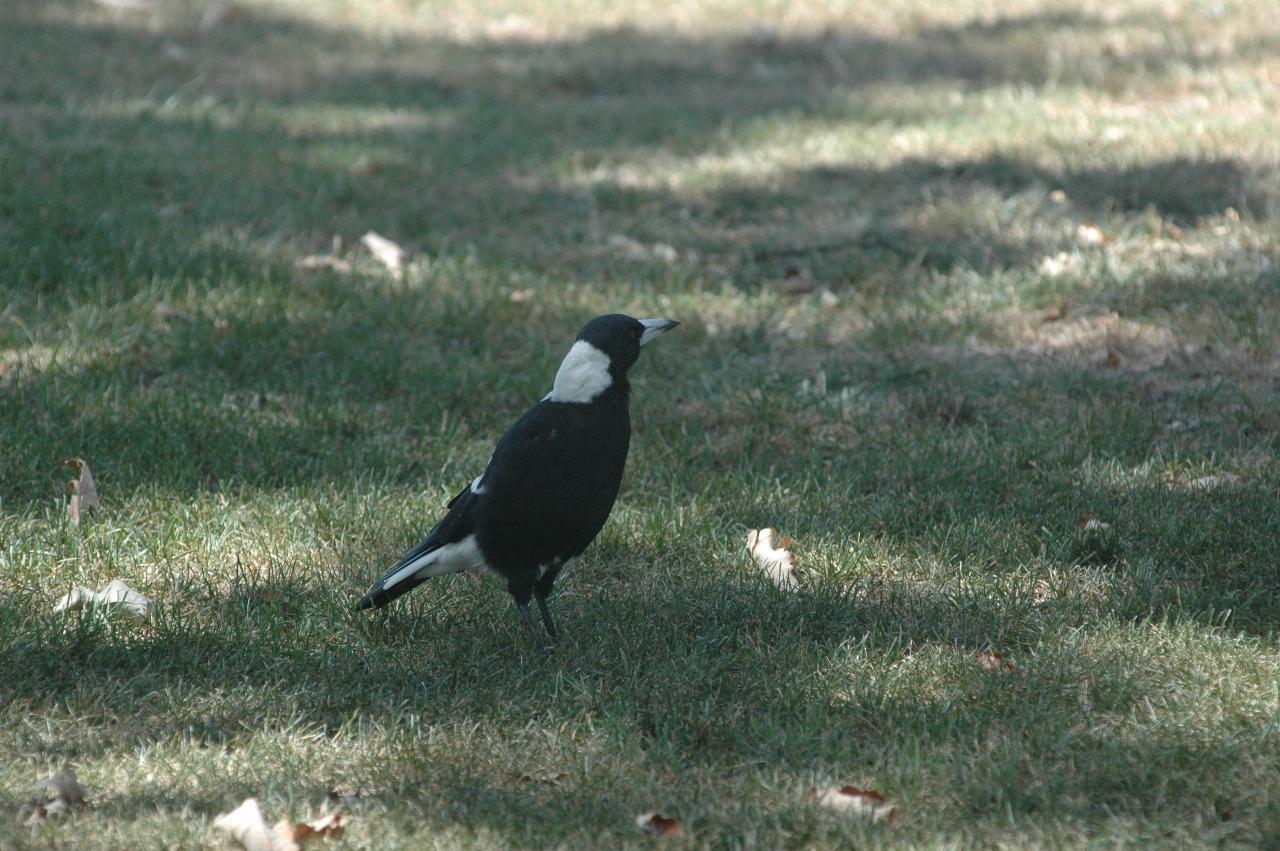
956,278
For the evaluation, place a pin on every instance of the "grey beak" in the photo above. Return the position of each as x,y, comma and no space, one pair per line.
654,327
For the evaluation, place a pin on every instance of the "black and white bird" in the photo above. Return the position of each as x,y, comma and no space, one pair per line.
550,484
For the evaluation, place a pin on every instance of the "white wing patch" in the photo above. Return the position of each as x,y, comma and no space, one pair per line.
476,486
583,375
451,558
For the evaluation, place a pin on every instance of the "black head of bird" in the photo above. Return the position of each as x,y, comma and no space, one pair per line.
551,483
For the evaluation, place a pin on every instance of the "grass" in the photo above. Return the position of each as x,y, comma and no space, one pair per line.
1042,243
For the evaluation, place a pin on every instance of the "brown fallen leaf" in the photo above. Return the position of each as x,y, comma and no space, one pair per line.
797,280
851,799
83,490
117,593
549,778
325,827
1054,314
778,562
388,253
246,826
993,661
655,824
55,796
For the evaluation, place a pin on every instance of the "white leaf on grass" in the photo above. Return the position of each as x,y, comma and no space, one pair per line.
246,826
83,490
655,824
851,799
778,562
386,252
117,593
125,5
1092,235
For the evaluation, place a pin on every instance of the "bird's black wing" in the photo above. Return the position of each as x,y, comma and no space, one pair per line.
453,527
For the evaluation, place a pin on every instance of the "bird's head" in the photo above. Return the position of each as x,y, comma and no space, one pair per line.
604,350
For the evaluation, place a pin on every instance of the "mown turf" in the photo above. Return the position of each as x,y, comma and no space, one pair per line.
952,277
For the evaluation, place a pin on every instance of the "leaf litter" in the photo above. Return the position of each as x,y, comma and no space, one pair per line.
777,562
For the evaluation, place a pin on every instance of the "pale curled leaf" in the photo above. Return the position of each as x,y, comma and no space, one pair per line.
55,796
777,562
993,661
325,827
116,594
386,252
1217,480
246,826
65,787
655,824
324,261
83,490
216,13
850,799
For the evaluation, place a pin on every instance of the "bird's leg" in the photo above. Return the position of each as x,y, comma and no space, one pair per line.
546,613
521,597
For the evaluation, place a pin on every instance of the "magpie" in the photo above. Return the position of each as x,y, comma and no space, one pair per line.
550,484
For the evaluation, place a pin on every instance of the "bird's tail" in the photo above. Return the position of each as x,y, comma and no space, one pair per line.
405,575
379,595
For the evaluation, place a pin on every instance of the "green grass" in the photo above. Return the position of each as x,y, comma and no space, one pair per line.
972,372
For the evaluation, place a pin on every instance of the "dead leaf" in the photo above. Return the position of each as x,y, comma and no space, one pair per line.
246,826
1112,360
55,796
778,563
993,661
634,250
324,261
521,295
1054,313
216,13
656,824
1092,235
117,593
797,280
345,795
83,490
549,778
385,251
167,313
851,799
1218,480
325,827
1089,523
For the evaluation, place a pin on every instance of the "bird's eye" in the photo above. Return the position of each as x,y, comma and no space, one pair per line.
635,335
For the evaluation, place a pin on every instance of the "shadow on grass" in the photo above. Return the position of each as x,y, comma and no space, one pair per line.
714,673
469,144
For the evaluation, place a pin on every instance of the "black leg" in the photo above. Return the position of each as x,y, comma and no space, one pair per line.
546,613
527,619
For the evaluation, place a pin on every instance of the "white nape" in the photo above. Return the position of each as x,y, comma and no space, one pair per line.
451,558
583,375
